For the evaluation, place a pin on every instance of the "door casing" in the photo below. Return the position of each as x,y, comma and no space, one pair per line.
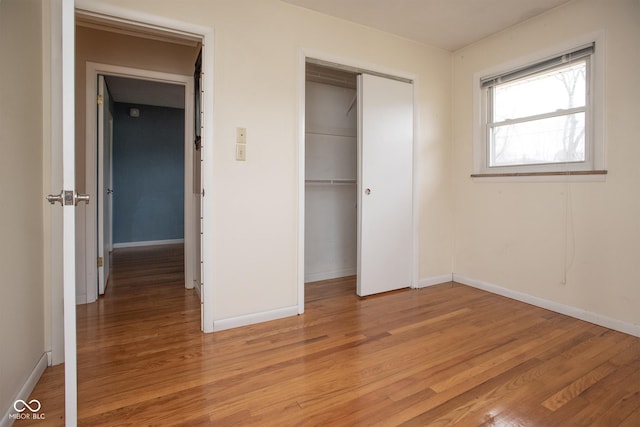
91,149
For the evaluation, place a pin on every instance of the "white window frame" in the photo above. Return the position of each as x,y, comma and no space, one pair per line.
594,133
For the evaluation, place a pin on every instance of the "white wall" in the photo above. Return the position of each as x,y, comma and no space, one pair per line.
22,322
512,234
330,208
258,48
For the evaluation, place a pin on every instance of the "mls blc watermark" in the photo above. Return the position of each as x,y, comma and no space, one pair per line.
27,410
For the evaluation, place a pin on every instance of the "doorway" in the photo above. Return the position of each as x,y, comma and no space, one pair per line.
178,92
331,170
358,213
141,175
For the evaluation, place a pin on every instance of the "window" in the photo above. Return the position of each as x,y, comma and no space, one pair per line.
539,118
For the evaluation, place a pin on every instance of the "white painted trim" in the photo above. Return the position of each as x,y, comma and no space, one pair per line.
250,319
26,390
542,178
327,275
415,196
135,18
435,280
361,65
208,253
578,313
147,243
357,64
93,69
302,81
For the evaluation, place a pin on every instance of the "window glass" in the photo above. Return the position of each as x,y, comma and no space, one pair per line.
550,140
540,118
560,88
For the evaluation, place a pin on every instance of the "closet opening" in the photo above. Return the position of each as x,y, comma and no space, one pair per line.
331,175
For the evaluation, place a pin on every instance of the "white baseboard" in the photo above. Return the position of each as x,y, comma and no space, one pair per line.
25,391
327,275
147,243
578,313
250,319
435,280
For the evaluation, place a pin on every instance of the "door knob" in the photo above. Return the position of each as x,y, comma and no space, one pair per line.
109,191
54,198
367,191
67,198
84,198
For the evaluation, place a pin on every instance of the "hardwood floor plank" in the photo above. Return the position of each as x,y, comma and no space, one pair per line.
577,387
442,355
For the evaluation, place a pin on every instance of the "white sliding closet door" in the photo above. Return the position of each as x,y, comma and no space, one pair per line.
385,196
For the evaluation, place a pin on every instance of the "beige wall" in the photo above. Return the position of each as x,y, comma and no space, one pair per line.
258,45
21,226
512,234
118,49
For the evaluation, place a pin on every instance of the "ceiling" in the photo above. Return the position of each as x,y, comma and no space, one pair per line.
135,91
448,24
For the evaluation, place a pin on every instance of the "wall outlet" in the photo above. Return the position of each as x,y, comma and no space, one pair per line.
241,135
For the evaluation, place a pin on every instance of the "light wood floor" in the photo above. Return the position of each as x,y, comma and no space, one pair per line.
444,355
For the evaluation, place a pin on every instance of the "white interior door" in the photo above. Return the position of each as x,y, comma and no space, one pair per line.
66,8
385,185
105,143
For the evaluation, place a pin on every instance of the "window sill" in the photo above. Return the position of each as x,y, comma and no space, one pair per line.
593,175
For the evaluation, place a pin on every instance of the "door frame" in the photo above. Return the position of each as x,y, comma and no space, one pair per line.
147,21
93,69
350,64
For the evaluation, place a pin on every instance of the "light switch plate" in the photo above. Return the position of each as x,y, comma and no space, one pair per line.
241,152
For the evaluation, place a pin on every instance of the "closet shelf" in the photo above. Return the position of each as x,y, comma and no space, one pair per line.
330,181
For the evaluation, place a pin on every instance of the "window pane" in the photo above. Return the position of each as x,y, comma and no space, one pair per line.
551,140
560,88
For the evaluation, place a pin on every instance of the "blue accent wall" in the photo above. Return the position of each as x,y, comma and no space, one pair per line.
148,174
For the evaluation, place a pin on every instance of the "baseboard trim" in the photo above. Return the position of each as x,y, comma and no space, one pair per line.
147,243
250,319
327,275
578,313
435,280
26,390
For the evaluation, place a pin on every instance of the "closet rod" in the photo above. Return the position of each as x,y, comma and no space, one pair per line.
330,181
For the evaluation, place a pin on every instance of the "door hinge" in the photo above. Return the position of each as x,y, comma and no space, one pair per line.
100,100
99,261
